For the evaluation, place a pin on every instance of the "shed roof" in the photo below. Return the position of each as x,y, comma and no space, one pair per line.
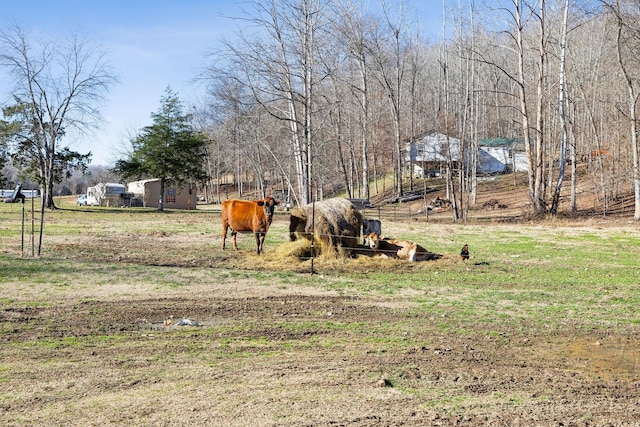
514,143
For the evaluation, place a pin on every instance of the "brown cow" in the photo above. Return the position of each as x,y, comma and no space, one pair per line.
247,216
401,249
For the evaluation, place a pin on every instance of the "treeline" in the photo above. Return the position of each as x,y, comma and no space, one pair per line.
312,96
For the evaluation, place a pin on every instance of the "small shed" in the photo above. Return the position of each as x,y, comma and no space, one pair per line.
175,196
489,163
509,151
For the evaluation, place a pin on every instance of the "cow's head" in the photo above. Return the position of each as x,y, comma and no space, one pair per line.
269,205
374,240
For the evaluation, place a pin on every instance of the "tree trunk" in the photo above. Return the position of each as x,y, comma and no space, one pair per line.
632,114
539,187
561,112
534,156
161,200
364,105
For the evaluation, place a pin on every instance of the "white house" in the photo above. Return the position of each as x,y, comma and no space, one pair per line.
429,153
433,147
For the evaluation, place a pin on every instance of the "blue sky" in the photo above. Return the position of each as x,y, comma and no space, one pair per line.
150,44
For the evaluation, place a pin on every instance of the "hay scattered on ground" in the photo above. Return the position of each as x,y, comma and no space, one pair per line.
300,249
303,249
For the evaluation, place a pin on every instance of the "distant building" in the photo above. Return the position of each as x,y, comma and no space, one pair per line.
489,164
29,194
429,153
509,151
175,197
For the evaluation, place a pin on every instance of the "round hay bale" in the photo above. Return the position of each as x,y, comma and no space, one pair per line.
335,223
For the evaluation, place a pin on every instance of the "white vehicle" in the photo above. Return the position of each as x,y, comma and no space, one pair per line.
105,194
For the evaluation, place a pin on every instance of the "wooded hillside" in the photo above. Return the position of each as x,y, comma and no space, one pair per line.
316,97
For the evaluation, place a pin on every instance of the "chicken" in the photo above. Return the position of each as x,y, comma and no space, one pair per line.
464,253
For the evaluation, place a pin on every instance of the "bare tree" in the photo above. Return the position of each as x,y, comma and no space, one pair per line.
466,107
561,110
388,52
357,28
62,85
591,63
627,16
520,17
278,65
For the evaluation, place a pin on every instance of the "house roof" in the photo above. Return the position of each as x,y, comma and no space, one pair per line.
144,181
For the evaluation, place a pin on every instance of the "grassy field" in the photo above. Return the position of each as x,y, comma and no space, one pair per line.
539,327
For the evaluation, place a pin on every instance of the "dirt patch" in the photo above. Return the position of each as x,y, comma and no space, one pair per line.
300,360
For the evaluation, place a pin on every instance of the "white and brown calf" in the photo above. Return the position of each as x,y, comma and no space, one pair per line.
394,248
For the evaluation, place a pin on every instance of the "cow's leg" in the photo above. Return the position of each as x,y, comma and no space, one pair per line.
259,241
412,252
225,225
234,235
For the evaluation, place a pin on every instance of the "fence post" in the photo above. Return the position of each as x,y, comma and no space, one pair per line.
313,235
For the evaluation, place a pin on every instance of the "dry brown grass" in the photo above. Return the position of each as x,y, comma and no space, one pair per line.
364,341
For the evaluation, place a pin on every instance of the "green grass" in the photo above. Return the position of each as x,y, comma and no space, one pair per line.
519,276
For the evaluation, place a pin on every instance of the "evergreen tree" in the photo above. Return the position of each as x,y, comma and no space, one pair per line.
169,149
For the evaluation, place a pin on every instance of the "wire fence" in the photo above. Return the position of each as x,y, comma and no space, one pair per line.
319,253
398,212
358,245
